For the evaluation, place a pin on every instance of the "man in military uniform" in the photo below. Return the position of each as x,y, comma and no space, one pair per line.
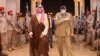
90,29
3,31
11,20
27,21
64,30
96,43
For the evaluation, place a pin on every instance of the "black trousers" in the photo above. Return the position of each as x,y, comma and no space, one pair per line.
50,35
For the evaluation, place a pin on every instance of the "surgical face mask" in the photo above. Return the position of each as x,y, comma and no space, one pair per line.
63,10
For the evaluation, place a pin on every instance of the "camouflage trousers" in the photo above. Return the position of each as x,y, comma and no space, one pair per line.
96,43
13,39
90,37
4,41
26,35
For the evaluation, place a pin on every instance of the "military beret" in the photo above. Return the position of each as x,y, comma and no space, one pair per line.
63,7
10,12
1,8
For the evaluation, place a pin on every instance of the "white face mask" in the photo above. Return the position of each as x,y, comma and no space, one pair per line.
63,11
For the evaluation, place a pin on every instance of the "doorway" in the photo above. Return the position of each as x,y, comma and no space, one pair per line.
23,5
54,5
87,5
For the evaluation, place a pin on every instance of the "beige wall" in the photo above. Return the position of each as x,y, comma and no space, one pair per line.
93,4
3,3
18,6
11,5
82,6
33,5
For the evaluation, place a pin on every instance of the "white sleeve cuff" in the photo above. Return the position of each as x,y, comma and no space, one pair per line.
44,33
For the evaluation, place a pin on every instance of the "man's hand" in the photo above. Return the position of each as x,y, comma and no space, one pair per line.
67,18
30,34
72,34
42,35
17,30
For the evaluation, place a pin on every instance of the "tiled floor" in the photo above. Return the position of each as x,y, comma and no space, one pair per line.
78,50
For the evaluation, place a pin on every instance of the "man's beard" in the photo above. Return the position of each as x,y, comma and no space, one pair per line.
39,12
2,12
